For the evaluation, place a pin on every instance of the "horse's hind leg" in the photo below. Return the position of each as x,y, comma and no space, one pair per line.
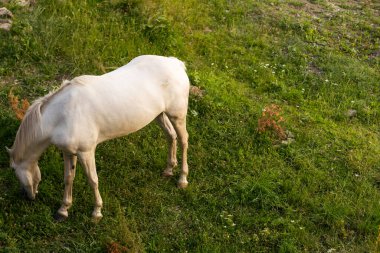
88,162
179,124
171,136
70,162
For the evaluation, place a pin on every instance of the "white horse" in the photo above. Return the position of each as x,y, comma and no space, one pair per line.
91,109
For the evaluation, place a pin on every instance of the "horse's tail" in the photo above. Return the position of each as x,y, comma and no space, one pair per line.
179,62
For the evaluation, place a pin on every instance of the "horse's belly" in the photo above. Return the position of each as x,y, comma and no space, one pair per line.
114,126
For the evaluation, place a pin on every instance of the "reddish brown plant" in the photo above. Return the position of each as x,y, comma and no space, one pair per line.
114,247
271,120
19,110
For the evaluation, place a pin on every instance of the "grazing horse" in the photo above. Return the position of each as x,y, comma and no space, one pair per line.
89,109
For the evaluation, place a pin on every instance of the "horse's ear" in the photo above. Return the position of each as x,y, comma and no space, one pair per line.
8,150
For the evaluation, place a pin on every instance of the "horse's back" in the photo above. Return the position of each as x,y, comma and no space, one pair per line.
156,69
152,79
96,108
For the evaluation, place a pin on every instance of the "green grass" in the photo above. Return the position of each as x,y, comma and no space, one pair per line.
316,59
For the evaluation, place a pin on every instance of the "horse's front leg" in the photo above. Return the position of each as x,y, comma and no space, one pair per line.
88,161
70,162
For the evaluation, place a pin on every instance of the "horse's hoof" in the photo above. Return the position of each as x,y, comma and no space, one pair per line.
59,217
167,173
183,184
96,219
97,216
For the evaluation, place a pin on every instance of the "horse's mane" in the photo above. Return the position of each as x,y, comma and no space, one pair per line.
31,128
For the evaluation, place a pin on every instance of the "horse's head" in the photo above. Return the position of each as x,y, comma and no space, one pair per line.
28,173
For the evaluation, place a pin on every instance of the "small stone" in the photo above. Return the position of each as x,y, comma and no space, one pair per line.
23,3
6,26
289,134
351,113
5,22
207,30
5,12
287,141
290,138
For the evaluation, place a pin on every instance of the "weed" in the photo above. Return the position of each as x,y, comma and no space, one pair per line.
271,121
114,247
18,109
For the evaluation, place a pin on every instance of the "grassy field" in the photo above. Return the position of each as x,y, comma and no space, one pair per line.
249,192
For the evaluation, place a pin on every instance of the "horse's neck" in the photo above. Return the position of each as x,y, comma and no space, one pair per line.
30,150
31,138
33,151
36,150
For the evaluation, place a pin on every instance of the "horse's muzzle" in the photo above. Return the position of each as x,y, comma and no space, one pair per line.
27,195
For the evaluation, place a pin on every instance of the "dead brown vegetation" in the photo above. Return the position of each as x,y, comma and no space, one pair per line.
271,120
18,108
